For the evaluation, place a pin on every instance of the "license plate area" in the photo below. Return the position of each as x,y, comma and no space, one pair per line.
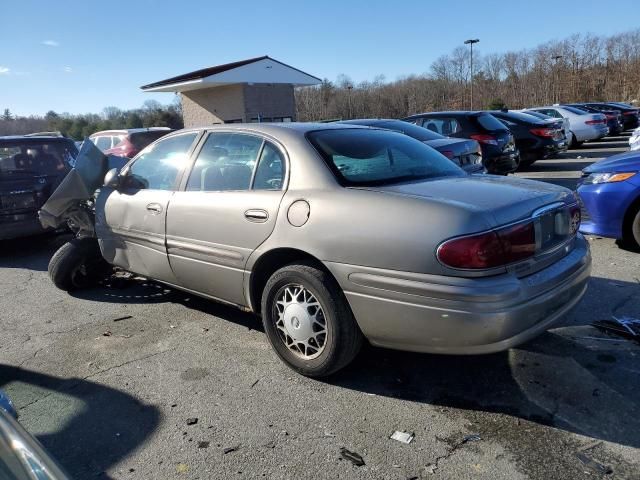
552,228
17,201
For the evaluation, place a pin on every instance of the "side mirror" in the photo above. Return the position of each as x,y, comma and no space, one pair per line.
112,179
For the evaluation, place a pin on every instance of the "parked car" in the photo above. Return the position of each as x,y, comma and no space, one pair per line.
609,192
560,122
30,169
338,233
615,120
499,152
634,140
584,126
629,114
127,143
22,457
467,154
535,138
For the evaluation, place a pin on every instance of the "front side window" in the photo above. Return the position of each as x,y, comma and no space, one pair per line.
225,163
361,157
158,166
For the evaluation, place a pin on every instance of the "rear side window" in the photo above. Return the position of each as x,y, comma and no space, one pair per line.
271,169
225,163
489,122
442,126
158,167
575,110
377,157
103,143
39,158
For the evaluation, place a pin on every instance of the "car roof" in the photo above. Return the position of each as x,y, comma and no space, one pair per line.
34,139
270,128
451,112
128,131
370,121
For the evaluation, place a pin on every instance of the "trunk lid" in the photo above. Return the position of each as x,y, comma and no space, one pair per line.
499,200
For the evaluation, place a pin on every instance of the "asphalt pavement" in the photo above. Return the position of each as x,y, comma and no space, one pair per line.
133,380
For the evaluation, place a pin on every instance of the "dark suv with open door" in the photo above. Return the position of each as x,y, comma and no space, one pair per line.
499,153
30,170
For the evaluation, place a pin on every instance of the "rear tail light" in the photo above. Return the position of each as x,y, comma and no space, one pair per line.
448,153
490,249
611,117
631,112
543,132
595,122
484,138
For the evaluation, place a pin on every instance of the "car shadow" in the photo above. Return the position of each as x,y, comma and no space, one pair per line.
32,253
573,378
106,427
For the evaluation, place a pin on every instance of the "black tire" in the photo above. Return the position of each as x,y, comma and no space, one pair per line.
343,338
77,264
631,233
575,143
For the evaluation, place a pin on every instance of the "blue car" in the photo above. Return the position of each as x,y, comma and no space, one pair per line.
609,192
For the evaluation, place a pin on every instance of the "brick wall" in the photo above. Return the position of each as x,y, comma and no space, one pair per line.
212,105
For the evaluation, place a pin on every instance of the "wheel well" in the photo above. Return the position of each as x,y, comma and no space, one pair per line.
271,261
629,215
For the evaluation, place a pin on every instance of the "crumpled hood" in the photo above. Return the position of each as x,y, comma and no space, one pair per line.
502,200
624,162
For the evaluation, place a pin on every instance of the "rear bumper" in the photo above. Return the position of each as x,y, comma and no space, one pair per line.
594,132
502,163
19,225
428,313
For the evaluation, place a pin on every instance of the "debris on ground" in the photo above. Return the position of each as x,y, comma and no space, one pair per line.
430,468
192,421
203,444
182,468
353,457
627,327
231,449
593,465
119,319
471,438
255,383
107,333
402,437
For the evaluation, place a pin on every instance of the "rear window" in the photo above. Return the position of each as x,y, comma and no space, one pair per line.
377,157
38,158
575,110
414,131
489,122
141,139
521,117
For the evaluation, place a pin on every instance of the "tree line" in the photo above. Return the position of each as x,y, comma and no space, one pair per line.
78,127
583,67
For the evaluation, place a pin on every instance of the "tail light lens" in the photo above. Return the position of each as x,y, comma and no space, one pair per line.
594,122
484,138
611,117
448,154
543,132
631,112
490,249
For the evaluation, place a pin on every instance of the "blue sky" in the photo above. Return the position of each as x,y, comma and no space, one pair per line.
81,56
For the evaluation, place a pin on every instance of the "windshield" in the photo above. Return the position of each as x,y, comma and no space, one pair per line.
37,158
489,122
378,157
414,131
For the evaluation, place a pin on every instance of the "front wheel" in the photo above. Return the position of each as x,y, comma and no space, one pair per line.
308,320
631,235
77,264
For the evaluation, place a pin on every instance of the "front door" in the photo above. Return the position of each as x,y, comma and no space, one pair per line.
226,210
131,221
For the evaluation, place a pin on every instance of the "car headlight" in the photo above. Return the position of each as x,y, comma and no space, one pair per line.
596,178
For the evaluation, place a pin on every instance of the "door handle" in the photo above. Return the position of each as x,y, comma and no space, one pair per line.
256,215
154,208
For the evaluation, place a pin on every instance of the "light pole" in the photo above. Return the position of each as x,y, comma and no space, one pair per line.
349,88
555,77
470,42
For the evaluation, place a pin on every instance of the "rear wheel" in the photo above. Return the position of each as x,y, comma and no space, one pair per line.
308,320
574,142
77,264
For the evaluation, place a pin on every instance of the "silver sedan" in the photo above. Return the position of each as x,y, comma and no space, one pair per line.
335,234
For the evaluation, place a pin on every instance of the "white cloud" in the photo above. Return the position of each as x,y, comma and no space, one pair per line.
4,70
68,69
50,43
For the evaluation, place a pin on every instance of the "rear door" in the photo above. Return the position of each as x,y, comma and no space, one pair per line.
131,221
227,208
